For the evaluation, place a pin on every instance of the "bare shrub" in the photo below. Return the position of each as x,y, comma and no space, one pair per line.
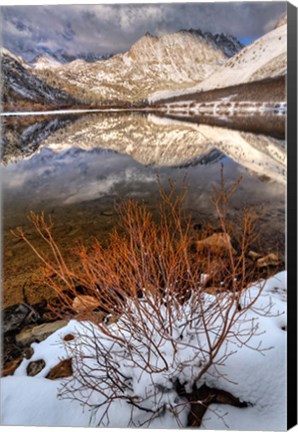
167,331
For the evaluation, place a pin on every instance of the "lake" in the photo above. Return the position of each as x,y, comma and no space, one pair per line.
75,167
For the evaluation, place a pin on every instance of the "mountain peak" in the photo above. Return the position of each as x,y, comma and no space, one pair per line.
150,35
147,37
227,43
45,60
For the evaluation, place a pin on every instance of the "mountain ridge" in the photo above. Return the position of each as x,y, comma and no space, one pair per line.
173,60
20,87
153,69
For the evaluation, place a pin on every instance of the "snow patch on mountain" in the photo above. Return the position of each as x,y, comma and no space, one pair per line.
45,61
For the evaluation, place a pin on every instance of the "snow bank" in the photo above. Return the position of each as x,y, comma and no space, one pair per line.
33,401
253,376
260,379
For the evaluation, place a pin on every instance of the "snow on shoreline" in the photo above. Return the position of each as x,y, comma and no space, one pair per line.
259,379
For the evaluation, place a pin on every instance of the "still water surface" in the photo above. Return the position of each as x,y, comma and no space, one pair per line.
74,168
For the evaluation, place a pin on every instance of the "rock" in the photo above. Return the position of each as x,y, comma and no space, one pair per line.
254,255
100,316
11,366
35,367
198,227
218,243
28,353
107,213
49,316
16,240
213,290
68,337
200,398
110,319
269,260
17,316
39,333
10,350
62,370
83,303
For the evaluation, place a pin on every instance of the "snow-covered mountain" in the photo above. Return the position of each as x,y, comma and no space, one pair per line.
155,68
45,60
264,58
20,87
228,43
171,61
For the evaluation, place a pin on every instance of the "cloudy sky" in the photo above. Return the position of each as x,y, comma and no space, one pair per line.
103,29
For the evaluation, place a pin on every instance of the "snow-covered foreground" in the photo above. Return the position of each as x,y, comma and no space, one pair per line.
255,374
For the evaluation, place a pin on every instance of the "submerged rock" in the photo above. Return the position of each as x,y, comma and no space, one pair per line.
218,243
108,213
269,260
254,255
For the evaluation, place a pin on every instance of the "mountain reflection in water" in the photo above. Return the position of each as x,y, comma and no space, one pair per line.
74,169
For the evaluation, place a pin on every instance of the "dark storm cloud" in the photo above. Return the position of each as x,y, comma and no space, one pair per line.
107,28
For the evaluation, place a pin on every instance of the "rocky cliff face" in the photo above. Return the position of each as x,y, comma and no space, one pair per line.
172,61
227,43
